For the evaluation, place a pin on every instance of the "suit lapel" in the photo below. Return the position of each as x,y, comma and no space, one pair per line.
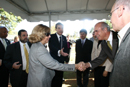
106,47
114,44
125,36
57,41
18,49
2,45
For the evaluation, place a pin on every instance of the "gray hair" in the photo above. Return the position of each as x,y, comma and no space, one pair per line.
105,25
83,30
123,2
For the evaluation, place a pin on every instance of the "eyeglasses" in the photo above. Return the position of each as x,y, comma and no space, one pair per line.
113,11
47,34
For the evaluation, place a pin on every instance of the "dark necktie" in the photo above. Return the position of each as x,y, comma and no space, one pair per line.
82,42
60,42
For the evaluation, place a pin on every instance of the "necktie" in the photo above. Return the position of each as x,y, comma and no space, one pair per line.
27,59
82,42
60,43
4,43
109,45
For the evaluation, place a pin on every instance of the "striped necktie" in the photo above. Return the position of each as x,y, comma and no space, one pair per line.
27,59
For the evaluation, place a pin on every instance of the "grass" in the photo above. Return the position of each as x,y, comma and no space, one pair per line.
70,80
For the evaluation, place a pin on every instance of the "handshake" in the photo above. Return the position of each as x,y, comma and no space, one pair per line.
81,66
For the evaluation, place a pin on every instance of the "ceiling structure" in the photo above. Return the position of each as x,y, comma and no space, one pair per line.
45,10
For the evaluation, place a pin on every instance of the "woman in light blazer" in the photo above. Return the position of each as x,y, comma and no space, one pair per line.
41,64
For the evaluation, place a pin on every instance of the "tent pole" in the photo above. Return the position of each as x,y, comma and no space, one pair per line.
49,19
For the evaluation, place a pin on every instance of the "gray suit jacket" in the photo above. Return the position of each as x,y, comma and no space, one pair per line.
40,66
120,76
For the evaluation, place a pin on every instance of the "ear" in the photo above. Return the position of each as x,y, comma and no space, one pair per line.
120,11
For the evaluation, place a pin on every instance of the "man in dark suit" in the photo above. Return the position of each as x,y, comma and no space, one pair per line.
58,50
83,53
4,72
16,60
109,44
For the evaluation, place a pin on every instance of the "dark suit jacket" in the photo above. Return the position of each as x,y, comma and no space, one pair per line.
54,46
13,54
2,51
83,53
106,51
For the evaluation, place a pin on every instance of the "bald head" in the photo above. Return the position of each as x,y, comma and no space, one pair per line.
102,31
3,32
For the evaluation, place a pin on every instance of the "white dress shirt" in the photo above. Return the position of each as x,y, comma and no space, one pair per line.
23,53
58,36
122,32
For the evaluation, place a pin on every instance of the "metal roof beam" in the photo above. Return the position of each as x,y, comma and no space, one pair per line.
18,6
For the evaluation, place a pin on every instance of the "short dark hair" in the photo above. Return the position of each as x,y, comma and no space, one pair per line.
58,24
22,30
83,30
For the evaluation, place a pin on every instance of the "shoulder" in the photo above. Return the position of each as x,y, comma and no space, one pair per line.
89,40
78,40
53,34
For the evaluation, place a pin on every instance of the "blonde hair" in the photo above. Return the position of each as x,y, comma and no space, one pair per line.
38,33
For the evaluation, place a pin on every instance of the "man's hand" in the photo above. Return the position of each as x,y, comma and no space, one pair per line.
105,73
80,66
16,65
87,65
63,53
0,62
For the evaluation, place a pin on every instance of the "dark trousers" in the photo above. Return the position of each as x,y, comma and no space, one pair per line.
100,80
4,76
23,80
85,76
57,80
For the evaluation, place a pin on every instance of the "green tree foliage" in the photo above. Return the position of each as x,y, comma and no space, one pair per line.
9,20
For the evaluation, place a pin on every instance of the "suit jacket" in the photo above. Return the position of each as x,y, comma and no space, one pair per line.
83,53
55,46
106,52
95,53
120,76
13,54
40,66
2,52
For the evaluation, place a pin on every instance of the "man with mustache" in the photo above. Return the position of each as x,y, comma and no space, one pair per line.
16,60
58,50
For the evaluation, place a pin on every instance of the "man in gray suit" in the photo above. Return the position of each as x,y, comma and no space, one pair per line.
120,20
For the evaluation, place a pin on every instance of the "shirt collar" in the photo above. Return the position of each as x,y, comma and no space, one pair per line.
58,35
84,39
122,32
110,37
21,43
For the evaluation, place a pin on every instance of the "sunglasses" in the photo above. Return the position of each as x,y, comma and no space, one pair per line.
47,34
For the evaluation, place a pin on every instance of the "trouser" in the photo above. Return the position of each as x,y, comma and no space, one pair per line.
85,76
57,80
23,80
4,76
100,80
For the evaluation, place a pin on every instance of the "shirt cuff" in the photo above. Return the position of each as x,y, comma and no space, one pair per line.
59,53
90,64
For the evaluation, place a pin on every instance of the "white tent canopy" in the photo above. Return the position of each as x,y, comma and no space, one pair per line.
46,10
